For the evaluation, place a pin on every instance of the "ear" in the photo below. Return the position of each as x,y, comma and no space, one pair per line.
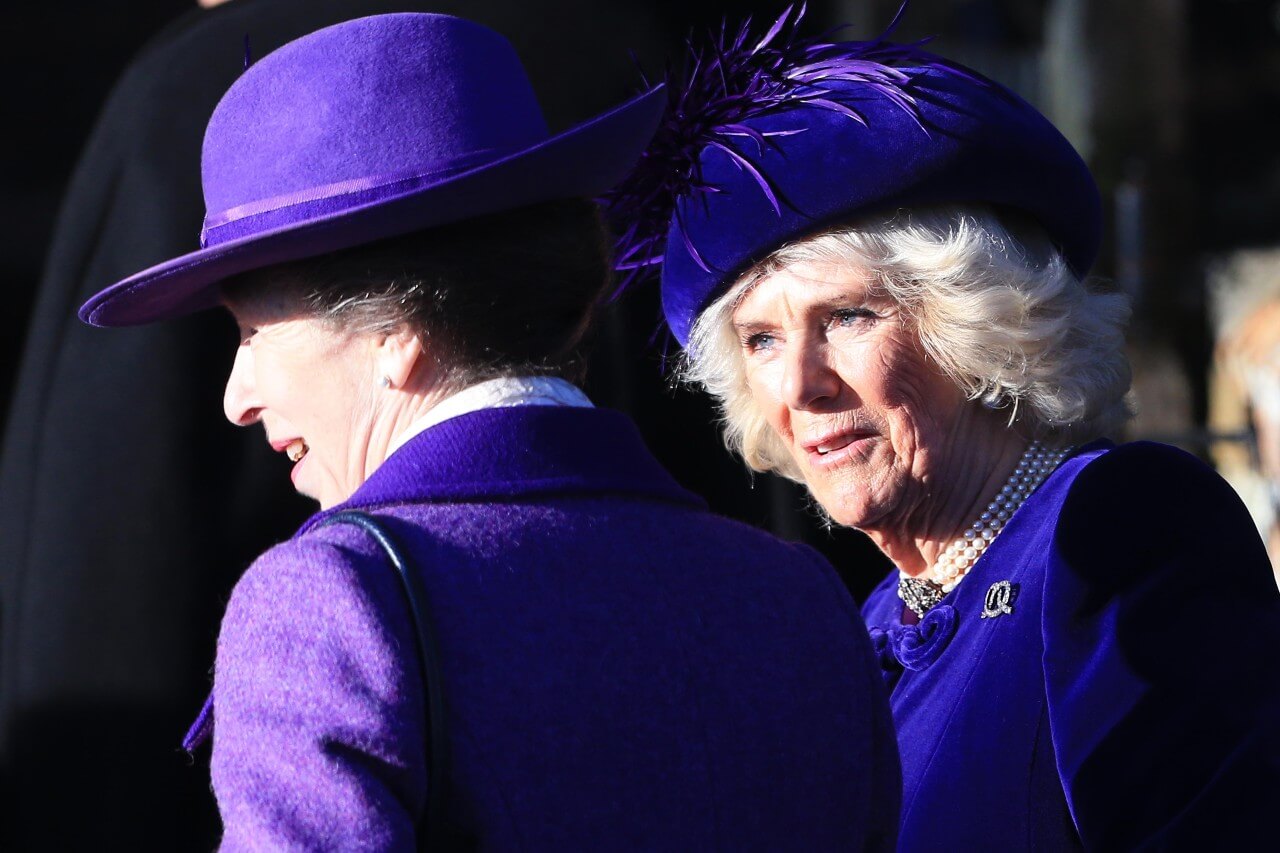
396,354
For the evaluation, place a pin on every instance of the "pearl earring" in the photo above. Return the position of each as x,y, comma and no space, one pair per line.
384,382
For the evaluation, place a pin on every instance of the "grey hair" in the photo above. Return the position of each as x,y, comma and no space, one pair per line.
381,308
512,293
376,307
1000,312
367,305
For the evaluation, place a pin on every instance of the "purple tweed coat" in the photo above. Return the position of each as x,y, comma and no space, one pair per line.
623,669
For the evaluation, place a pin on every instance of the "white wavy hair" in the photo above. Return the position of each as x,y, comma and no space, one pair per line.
993,304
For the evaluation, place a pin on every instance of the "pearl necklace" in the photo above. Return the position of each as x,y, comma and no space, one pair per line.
953,564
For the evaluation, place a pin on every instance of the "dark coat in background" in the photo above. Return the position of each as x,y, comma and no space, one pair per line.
128,505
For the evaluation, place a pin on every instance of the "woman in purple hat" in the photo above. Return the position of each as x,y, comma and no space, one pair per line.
875,260
508,627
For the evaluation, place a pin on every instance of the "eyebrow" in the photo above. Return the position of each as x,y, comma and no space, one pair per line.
752,326
822,306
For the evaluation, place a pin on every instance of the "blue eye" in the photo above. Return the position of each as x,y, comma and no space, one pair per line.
758,341
850,316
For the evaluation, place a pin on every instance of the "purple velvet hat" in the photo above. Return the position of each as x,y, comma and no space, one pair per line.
769,139
369,129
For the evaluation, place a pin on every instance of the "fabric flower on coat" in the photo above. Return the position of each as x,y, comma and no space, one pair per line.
916,647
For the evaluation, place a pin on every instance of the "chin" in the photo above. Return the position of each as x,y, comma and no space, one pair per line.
854,508
330,496
314,494
845,504
858,499
845,518
327,499
846,513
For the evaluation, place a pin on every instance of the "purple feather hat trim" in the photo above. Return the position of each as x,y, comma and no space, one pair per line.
732,81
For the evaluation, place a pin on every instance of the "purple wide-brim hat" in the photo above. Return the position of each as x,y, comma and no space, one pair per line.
370,129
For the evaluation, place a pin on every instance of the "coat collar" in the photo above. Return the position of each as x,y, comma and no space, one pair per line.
507,453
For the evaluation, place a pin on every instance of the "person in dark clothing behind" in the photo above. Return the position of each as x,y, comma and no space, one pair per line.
117,484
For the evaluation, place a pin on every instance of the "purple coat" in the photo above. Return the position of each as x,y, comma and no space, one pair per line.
1120,693
622,668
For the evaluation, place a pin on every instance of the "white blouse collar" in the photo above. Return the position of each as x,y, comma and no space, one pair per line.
496,394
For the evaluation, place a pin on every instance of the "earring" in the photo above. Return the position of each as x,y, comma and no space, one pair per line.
384,382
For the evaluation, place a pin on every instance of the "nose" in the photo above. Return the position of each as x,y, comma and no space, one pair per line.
809,381
240,401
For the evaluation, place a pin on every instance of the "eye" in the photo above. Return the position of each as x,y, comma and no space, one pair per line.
758,341
852,316
246,335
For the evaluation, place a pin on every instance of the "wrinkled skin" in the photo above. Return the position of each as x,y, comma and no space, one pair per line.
884,440
336,396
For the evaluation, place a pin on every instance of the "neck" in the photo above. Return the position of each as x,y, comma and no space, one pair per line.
974,471
398,412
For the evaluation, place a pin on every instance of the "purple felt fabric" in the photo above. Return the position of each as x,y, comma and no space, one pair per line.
1129,700
623,669
319,103
973,141
370,129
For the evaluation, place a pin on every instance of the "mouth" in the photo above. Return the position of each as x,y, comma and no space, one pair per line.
833,447
294,448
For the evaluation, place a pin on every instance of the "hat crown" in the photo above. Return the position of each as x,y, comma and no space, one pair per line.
367,130
366,100
966,140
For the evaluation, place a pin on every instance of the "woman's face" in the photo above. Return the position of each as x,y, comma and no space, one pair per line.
841,378
311,386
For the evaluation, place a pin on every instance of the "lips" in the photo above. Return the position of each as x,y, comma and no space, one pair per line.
833,446
294,448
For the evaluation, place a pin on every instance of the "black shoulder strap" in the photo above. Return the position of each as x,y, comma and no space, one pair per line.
433,829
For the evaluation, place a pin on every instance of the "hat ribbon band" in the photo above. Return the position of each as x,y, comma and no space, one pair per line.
262,215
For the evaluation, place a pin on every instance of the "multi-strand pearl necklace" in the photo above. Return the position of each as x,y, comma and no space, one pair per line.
954,563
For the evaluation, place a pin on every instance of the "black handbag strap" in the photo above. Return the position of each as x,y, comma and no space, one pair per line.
434,832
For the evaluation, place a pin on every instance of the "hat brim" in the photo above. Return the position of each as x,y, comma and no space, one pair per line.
581,162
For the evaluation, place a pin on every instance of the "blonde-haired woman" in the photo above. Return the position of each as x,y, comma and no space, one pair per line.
876,260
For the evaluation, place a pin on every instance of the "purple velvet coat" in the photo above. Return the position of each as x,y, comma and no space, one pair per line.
1126,700
623,669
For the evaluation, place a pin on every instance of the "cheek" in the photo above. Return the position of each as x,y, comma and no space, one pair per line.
268,378
928,436
764,384
312,394
865,369
916,391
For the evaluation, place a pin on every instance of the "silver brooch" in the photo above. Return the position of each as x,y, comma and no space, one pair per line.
1000,599
919,594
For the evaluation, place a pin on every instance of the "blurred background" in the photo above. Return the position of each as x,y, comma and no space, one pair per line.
104,657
